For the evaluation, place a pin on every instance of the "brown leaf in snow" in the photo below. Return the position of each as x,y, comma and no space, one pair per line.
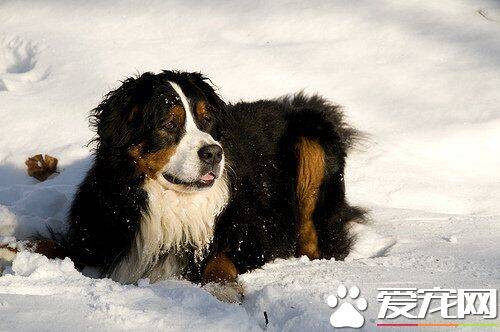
41,168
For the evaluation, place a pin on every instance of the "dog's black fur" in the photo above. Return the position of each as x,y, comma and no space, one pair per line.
260,222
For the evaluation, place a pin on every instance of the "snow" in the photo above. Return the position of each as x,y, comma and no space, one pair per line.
58,297
422,79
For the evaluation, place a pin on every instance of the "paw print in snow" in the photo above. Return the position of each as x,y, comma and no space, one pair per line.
347,315
19,67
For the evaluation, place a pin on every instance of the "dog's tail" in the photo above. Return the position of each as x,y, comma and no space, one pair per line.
317,118
322,139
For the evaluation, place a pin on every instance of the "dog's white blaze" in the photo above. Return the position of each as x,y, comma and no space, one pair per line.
185,163
174,220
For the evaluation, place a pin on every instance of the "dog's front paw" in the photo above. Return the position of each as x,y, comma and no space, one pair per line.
229,292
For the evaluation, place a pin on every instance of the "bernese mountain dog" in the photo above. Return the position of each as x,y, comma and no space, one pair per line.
184,185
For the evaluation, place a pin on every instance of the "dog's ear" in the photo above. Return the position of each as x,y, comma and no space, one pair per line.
208,89
113,118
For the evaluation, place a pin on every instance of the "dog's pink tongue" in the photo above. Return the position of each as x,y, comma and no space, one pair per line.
208,177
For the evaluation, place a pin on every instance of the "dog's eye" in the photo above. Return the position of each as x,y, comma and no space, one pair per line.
207,119
170,126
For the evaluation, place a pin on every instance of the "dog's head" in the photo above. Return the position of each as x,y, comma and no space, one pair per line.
167,125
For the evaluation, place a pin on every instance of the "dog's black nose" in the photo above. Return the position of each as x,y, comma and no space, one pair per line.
210,154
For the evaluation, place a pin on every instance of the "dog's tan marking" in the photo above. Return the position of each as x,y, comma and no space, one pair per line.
220,269
201,109
177,114
310,174
220,279
151,163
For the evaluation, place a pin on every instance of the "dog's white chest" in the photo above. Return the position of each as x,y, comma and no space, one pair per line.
177,220
173,221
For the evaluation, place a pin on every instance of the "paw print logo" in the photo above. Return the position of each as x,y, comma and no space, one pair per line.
347,314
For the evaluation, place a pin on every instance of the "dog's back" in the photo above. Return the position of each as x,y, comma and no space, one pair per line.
287,159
